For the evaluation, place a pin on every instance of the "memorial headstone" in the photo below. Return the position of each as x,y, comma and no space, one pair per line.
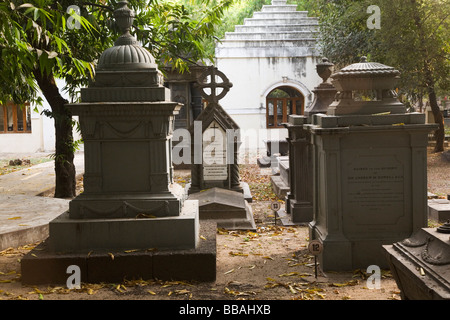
227,208
215,144
129,203
215,140
370,177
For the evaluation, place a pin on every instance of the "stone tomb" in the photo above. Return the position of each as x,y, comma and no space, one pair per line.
280,180
298,207
421,264
129,203
228,209
370,177
439,210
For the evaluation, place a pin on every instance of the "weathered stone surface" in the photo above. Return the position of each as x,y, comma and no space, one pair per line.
44,266
141,232
420,265
228,208
439,210
280,180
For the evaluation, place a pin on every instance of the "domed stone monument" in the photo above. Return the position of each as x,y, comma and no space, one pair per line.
131,221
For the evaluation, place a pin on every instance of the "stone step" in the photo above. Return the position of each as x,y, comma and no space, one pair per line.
280,15
277,43
312,27
289,35
264,22
279,2
287,7
266,52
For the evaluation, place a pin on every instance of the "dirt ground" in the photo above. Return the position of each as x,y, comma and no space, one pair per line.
272,263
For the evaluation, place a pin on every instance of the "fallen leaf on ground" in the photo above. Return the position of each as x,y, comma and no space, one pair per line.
231,253
349,283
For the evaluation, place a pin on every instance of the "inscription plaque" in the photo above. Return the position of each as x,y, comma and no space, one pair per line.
374,189
215,166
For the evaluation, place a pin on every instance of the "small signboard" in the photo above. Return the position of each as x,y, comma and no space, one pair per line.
315,247
275,206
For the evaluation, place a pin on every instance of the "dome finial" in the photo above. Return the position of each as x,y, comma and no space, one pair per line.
124,18
127,53
363,59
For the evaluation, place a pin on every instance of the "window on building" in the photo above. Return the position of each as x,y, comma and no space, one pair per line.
15,119
282,102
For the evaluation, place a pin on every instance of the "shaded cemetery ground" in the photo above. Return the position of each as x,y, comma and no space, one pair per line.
272,263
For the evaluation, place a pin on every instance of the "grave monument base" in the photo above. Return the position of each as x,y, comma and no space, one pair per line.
420,265
45,266
300,213
343,254
80,235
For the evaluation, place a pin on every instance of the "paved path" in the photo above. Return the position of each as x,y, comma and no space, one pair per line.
24,215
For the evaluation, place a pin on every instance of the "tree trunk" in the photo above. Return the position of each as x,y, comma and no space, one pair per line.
439,134
65,184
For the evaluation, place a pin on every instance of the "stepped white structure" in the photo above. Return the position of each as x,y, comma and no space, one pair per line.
275,49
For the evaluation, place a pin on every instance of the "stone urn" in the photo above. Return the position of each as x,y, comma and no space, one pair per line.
325,69
366,88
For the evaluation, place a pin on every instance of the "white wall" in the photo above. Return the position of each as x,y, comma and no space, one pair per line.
24,142
253,79
42,136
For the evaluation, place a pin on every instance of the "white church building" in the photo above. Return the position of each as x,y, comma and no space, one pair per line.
271,62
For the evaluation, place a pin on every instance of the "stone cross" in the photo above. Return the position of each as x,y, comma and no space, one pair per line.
214,96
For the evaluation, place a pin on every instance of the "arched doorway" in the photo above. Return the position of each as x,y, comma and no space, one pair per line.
282,102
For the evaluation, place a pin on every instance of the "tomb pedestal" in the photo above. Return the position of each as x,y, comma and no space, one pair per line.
299,200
